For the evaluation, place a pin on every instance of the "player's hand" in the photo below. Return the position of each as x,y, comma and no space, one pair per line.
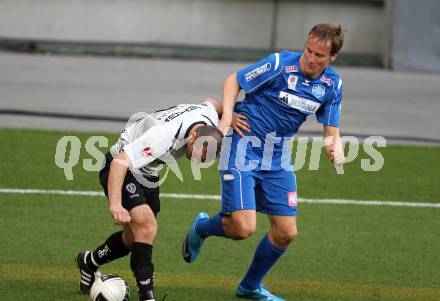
239,123
334,150
224,126
120,215
338,153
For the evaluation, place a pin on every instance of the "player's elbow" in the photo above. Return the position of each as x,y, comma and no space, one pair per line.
122,160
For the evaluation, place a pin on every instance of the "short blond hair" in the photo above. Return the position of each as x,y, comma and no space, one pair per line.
329,32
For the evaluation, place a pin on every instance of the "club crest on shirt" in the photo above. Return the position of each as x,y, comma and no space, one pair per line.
147,152
131,187
292,81
318,90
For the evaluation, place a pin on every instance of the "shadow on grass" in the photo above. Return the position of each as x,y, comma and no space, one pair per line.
174,293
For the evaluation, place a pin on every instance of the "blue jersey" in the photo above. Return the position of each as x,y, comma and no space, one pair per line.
279,97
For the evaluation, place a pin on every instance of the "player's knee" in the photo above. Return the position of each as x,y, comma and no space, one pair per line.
145,231
145,234
243,229
285,236
291,234
240,234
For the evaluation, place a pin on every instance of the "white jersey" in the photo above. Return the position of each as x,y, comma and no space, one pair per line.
150,139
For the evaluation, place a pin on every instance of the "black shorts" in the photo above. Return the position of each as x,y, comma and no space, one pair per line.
133,193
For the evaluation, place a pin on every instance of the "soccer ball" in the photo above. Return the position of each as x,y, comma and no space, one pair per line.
109,288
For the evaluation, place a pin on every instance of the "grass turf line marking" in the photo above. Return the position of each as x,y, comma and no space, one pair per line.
217,197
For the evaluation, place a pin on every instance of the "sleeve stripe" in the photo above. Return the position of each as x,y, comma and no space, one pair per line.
277,60
256,87
330,112
331,106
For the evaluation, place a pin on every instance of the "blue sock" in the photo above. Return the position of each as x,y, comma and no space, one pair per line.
265,257
211,226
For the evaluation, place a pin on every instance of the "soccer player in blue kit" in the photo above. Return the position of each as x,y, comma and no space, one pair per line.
281,91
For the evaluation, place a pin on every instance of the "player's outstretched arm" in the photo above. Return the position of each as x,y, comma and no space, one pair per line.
230,94
333,145
118,170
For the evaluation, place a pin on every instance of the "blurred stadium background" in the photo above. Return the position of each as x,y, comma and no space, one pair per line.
83,67
393,40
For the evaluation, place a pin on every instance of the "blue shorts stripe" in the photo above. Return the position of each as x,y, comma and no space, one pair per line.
241,188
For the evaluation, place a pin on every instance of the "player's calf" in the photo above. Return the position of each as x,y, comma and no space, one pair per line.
88,262
143,269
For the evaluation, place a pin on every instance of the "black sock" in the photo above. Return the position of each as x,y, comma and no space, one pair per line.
112,249
143,269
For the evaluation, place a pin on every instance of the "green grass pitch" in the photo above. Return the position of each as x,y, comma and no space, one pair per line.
343,252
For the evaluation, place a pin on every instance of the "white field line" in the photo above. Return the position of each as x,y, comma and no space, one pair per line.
217,197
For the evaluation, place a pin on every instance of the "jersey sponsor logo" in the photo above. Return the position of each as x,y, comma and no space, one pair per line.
177,114
327,80
291,69
292,199
299,103
257,72
147,152
131,188
292,81
145,282
318,90
104,252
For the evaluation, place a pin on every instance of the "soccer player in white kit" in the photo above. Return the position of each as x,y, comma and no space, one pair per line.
144,147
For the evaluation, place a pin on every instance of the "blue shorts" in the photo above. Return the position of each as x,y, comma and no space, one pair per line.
270,192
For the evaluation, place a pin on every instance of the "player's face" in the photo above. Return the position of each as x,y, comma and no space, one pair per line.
195,154
316,56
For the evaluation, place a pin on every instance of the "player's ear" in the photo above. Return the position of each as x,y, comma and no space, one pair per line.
333,57
192,136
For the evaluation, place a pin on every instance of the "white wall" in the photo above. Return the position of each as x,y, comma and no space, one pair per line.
415,35
363,23
224,23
